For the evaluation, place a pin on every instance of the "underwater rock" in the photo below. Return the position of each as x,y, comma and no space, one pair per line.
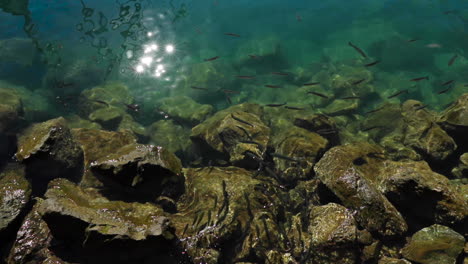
461,171
98,144
105,96
129,124
407,132
421,195
75,121
96,231
302,149
17,50
74,77
423,134
454,120
219,206
11,109
144,171
341,107
304,194
340,170
169,135
109,118
185,110
434,245
32,241
15,192
321,124
49,151
333,231
351,81
232,132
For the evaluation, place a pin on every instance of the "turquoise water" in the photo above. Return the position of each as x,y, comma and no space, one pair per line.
159,49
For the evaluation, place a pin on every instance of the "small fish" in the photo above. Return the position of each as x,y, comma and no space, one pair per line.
252,142
253,56
397,94
245,77
230,91
450,12
452,60
275,105
448,82
245,132
311,84
294,108
133,107
318,94
445,90
240,120
272,86
420,107
371,128
413,40
372,63
358,82
212,58
63,84
199,88
101,102
280,156
357,49
434,46
298,17
351,97
419,79
280,73
375,110
325,131
232,35
228,99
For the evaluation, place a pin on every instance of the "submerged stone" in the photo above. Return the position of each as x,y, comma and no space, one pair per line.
186,110
11,109
233,133
15,192
109,118
461,171
49,151
149,171
98,144
340,170
434,245
168,134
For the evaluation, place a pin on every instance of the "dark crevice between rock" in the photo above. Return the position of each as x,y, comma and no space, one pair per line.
8,149
418,207
73,243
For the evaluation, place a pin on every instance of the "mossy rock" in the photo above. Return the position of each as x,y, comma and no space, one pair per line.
129,124
461,171
143,171
49,151
433,245
15,192
169,135
109,118
98,144
11,109
344,171
75,121
112,94
457,113
186,110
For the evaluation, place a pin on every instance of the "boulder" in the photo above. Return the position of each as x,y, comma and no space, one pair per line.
49,151
141,172
168,134
461,171
340,169
434,245
185,109
15,193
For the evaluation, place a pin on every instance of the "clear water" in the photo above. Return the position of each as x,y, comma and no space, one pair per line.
159,49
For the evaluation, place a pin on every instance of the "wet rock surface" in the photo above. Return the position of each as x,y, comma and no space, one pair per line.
434,244
11,109
247,184
49,151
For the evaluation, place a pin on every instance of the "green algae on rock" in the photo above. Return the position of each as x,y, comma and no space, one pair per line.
169,135
435,244
147,170
75,121
461,171
11,109
49,151
339,169
185,109
15,192
98,144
